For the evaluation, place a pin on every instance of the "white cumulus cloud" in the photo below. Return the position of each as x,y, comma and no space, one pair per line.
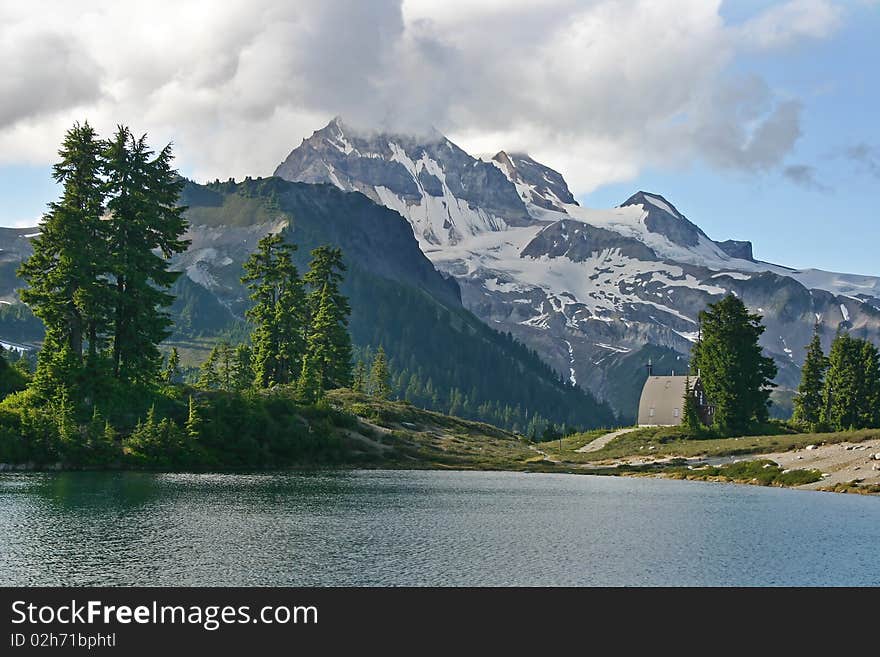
595,88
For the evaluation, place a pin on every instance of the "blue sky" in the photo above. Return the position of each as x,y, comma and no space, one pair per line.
832,224
808,203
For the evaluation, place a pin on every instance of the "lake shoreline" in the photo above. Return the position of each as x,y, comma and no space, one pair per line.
667,468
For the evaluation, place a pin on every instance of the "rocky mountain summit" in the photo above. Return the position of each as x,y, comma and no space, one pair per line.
595,291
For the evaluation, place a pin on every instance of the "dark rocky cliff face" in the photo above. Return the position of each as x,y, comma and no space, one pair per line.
578,241
372,237
737,249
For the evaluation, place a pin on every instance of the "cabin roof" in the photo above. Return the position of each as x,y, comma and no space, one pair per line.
663,394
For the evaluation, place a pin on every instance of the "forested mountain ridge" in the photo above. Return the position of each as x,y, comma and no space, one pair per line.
441,356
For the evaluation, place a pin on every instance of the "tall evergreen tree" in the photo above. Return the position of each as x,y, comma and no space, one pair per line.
226,366
736,376
690,417
808,402
320,345
172,368
243,373
193,426
145,229
209,375
380,377
869,411
309,385
67,272
329,311
851,397
841,400
359,379
278,313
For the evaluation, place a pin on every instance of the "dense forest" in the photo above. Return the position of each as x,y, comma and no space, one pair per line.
398,301
106,389
102,393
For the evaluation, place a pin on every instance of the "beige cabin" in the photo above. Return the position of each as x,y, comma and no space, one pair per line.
663,398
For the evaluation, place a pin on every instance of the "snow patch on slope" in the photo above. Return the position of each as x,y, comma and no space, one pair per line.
571,377
660,203
436,219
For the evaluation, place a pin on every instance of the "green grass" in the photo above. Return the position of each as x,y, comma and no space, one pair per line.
413,437
853,487
760,471
667,442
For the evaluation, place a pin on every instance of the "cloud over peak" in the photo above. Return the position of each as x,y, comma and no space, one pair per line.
596,88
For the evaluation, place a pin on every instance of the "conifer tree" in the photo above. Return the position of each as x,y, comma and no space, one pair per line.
869,411
278,313
309,386
67,272
172,368
225,366
329,311
193,425
145,229
843,389
109,433
380,378
320,347
243,374
209,376
736,376
359,379
808,402
690,417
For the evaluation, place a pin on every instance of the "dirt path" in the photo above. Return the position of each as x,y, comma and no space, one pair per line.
546,456
601,441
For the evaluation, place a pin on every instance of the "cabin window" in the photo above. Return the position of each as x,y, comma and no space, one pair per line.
674,412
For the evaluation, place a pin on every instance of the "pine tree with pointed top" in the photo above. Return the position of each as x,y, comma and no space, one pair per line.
849,384
279,312
808,401
225,366
380,377
209,376
67,274
172,368
145,228
193,426
735,374
690,417
359,379
243,373
329,312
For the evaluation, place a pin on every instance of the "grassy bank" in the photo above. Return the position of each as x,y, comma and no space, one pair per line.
662,442
257,430
271,430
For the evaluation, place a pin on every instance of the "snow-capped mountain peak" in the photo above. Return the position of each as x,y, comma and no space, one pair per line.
536,183
663,218
447,195
589,289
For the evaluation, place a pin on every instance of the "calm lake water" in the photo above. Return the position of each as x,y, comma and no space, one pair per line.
426,528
